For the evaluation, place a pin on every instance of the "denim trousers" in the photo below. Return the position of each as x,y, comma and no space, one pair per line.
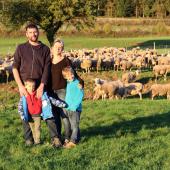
71,126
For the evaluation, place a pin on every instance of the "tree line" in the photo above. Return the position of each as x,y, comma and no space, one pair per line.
50,15
133,8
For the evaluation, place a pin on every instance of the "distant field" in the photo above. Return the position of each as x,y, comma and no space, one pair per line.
8,45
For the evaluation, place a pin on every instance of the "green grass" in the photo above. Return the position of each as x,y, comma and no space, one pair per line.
116,134
8,45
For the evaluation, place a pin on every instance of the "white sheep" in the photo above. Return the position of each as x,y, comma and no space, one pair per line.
162,70
160,90
129,76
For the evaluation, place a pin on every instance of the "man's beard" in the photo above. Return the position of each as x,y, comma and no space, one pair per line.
34,39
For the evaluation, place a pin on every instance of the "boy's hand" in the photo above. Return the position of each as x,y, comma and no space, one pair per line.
80,86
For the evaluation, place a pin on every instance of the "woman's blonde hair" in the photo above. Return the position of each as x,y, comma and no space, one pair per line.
58,41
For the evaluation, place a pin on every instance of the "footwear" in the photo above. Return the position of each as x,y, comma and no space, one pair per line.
28,142
66,141
70,145
37,143
56,143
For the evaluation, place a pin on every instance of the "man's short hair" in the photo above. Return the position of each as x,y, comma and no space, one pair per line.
31,25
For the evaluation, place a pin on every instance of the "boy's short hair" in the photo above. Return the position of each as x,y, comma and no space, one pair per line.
31,25
67,70
29,80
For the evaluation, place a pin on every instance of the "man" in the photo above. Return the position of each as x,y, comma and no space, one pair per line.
32,61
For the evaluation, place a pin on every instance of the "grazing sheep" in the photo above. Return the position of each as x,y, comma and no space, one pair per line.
117,63
99,92
162,70
133,89
106,88
160,90
130,76
164,61
99,81
99,64
126,65
86,65
6,68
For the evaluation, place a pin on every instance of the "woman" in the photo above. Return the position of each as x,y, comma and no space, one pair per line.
57,81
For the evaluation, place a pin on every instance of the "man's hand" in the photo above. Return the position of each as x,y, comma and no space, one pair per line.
22,91
40,90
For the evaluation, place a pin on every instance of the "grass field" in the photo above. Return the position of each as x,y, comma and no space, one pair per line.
124,134
116,134
8,45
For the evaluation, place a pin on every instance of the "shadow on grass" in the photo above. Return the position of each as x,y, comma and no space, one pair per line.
145,80
131,126
159,44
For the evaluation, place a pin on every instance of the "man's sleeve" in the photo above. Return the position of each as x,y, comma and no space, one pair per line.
46,70
17,59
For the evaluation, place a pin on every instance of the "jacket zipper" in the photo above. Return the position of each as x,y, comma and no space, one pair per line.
32,67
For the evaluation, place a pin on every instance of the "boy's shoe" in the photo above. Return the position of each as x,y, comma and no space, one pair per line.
56,143
70,145
66,141
28,142
37,143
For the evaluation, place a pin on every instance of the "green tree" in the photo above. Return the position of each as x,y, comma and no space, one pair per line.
50,15
160,8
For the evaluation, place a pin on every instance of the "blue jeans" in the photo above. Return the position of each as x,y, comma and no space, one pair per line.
71,125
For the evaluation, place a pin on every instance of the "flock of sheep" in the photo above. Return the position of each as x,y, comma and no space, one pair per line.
100,59
6,68
120,59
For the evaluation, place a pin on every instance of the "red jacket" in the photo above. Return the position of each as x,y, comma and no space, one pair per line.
34,104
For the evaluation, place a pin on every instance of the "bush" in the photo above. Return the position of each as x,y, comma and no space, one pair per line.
97,28
160,28
107,28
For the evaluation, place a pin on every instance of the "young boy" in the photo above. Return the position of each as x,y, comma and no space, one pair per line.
32,108
74,97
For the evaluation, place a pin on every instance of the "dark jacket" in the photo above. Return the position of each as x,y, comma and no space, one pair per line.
32,62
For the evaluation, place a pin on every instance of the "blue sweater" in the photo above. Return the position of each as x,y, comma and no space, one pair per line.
74,96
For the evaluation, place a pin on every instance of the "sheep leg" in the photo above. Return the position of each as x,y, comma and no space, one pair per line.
152,96
165,77
140,95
